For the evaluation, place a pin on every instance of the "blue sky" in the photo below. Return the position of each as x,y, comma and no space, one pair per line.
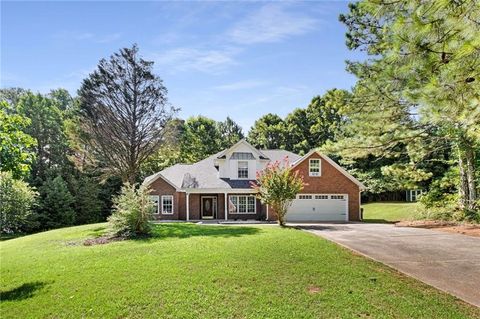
242,59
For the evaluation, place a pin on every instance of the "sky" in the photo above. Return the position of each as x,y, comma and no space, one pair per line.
217,59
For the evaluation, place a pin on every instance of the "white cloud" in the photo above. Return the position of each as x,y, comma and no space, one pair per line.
272,23
185,59
241,85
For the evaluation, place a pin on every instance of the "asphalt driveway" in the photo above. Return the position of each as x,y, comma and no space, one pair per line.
450,262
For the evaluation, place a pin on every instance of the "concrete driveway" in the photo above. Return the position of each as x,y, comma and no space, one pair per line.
450,262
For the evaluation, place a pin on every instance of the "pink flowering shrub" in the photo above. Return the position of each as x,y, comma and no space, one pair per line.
277,186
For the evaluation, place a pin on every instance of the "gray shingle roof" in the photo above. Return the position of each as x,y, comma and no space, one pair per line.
203,174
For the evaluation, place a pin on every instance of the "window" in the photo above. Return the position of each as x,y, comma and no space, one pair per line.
242,156
156,202
242,169
321,196
167,204
304,196
415,195
337,197
241,204
314,167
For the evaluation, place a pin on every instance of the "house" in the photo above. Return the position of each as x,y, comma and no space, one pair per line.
413,195
219,187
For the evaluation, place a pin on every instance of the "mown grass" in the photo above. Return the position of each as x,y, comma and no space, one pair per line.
199,271
389,212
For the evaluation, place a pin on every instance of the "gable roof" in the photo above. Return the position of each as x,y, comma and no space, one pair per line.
331,162
260,154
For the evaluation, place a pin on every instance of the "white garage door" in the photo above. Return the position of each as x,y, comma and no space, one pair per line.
318,207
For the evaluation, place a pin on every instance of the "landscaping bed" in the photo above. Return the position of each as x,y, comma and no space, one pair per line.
446,226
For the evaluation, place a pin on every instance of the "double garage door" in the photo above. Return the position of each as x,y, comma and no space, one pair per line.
318,208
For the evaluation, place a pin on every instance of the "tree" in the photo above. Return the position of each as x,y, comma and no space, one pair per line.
230,132
15,145
277,186
123,112
46,126
268,132
200,138
419,84
56,204
16,201
87,204
133,212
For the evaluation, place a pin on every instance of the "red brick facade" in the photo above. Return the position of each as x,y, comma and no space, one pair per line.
331,181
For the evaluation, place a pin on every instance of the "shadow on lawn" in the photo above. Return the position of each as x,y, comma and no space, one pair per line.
21,292
379,221
181,230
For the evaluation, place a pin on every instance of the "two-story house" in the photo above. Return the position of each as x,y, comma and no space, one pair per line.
219,187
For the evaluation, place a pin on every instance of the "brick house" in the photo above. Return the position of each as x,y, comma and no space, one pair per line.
218,187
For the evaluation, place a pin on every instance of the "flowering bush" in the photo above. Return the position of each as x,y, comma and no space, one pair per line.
277,186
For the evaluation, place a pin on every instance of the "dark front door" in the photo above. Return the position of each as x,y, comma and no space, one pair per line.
208,207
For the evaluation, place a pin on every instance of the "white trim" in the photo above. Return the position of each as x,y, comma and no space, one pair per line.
163,213
225,201
158,203
188,206
319,167
246,203
331,162
214,211
242,141
220,190
238,169
267,211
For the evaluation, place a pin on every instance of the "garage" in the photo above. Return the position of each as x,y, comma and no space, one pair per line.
318,208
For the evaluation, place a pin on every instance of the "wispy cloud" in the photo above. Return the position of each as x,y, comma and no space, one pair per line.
240,85
185,59
87,36
271,23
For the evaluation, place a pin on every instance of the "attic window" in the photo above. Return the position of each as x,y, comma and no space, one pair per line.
242,169
242,156
314,167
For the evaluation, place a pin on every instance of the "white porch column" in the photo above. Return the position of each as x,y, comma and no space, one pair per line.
226,205
188,206
267,210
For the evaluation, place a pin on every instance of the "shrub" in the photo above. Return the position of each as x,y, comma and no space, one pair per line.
132,212
16,201
278,185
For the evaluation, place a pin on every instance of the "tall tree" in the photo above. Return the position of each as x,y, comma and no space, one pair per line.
268,132
230,132
200,138
16,155
421,78
124,111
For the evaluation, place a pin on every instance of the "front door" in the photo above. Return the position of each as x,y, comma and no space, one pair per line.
209,207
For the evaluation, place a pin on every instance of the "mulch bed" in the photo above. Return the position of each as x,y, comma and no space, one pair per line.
446,226
101,240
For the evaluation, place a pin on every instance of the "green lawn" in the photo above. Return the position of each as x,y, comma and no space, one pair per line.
389,211
194,271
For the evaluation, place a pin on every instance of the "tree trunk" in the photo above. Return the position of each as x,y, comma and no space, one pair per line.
466,164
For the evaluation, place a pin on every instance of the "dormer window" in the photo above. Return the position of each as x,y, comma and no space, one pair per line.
242,169
242,156
315,167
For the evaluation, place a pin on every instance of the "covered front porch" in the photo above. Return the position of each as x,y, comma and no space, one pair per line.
215,205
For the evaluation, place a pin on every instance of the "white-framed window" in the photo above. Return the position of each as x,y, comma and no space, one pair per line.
156,203
415,194
241,204
242,169
314,167
304,196
337,197
167,204
321,196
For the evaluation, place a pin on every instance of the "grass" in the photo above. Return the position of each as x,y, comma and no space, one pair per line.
199,271
389,212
